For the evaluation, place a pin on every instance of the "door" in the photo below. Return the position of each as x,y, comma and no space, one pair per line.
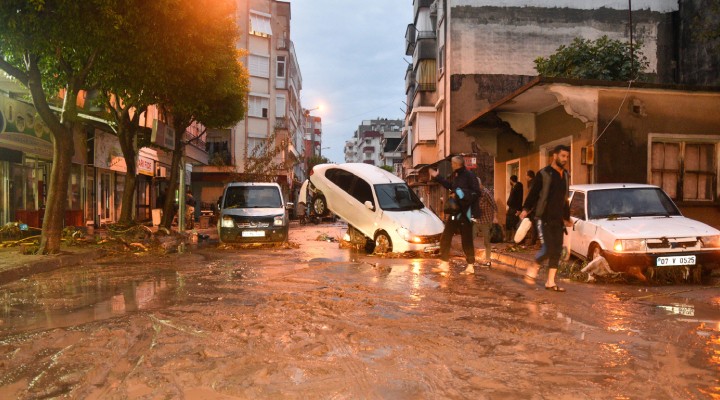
105,198
582,231
367,219
341,202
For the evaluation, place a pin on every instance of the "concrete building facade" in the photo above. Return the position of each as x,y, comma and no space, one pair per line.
376,142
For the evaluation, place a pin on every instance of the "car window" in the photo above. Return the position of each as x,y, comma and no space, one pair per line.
342,178
577,205
397,197
252,197
630,202
362,191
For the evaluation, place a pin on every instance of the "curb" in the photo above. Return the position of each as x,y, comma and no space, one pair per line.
51,263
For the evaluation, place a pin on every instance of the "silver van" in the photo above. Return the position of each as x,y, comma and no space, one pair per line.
252,213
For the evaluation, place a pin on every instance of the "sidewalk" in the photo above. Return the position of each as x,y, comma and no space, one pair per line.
14,265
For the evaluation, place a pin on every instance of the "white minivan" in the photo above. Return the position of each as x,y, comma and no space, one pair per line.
252,213
377,205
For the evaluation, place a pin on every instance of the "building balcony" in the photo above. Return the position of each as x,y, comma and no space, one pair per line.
283,44
418,4
410,34
369,149
425,50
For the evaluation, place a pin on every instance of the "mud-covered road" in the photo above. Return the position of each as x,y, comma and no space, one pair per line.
320,322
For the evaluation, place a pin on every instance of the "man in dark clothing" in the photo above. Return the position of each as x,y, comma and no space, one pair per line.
514,203
465,189
549,199
532,233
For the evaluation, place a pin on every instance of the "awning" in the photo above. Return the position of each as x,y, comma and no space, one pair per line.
260,24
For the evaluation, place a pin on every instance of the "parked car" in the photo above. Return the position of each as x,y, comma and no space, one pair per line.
638,225
252,213
377,205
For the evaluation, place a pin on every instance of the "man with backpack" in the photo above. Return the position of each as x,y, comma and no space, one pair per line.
460,207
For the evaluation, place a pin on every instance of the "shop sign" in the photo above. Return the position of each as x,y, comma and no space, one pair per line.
22,129
145,166
470,162
108,154
163,135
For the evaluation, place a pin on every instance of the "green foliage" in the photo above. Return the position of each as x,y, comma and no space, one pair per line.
388,168
262,164
315,160
602,59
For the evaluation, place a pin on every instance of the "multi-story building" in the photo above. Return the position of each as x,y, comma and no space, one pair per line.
376,142
469,54
313,135
274,110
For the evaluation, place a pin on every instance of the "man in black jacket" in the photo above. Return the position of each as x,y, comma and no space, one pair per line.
514,203
549,198
464,189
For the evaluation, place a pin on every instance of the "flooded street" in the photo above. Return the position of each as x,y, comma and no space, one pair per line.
323,322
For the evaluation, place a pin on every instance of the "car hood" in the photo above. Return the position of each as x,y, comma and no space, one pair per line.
420,222
656,227
253,212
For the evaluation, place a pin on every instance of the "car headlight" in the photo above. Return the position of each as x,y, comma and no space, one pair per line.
622,245
279,220
710,241
406,235
227,222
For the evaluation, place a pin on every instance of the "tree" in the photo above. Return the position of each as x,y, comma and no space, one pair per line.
210,85
602,59
51,47
261,164
315,160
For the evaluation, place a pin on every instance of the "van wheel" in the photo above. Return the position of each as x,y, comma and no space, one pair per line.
383,244
320,205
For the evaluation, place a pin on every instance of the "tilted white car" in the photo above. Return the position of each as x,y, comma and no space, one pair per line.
375,204
638,225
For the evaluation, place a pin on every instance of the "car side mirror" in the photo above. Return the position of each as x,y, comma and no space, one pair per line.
289,206
369,205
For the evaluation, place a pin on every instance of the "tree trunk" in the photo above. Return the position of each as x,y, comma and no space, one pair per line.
179,124
57,190
126,135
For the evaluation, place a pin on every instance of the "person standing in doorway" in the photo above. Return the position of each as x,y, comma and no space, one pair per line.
532,233
464,191
514,204
487,217
549,199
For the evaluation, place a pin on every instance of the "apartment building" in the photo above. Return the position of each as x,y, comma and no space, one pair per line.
274,110
376,142
470,54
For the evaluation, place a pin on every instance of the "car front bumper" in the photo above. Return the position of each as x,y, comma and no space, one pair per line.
620,262
270,235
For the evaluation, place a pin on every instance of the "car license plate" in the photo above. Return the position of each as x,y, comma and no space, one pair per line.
675,260
253,234
431,249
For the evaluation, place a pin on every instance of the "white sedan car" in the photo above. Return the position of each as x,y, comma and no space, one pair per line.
637,225
377,205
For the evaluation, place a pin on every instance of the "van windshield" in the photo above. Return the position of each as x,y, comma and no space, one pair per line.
252,197
397,197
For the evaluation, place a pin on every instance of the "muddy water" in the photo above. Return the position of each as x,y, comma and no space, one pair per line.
324,322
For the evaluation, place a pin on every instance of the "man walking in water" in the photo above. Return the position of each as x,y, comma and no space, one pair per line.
549,198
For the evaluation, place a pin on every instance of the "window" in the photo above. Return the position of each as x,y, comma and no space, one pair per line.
280,106
260,24
259,66
258,106
368,141
255,147
341,178
280,73
686,171
441,60
577,206
426,75
362,191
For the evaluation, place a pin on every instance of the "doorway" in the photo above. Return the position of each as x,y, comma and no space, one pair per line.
106,199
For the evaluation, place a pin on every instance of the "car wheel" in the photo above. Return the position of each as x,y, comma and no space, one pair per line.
320,205
383,244
594,252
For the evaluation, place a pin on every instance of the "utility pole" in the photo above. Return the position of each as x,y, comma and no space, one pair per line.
632,53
